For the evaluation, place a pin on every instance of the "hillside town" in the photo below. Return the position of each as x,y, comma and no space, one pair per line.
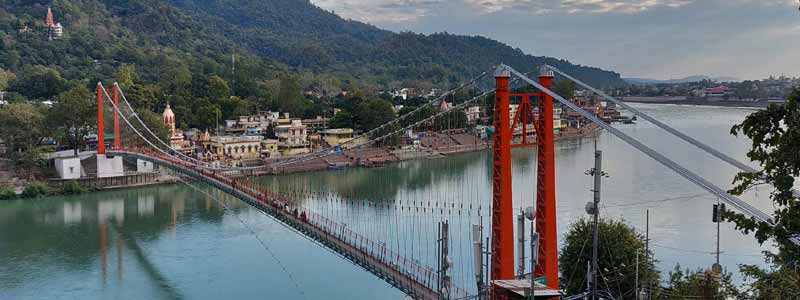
266,137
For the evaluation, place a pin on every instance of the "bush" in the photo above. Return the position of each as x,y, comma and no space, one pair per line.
72,187
35,189
7,193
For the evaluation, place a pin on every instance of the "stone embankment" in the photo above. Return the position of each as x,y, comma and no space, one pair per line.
431,145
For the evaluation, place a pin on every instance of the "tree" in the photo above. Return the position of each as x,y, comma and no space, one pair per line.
343,119
289,98
6,77
565,88
73,117
371,113
775,144
218,89
619,245
39,82
21,128
684,284
126,76
775,136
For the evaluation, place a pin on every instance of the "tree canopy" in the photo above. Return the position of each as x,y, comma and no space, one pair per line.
619,245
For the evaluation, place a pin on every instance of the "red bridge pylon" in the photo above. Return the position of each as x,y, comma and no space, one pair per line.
502,264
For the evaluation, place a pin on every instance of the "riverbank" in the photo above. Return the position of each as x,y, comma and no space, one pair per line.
59,187
431,145
700,102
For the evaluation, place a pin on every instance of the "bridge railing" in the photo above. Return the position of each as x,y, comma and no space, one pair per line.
378,251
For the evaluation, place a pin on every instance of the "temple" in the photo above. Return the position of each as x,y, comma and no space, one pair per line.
54,30
176,138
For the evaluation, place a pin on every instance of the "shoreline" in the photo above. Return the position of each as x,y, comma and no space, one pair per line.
705,103
379,157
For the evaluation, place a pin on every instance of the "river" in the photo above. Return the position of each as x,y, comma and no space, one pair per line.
174,242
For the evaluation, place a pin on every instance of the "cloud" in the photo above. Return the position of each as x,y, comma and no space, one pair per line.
639,38
574,6
381,11
402,11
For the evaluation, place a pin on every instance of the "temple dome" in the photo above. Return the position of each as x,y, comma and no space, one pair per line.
168,116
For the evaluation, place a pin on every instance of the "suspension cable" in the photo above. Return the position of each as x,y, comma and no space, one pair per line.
703,183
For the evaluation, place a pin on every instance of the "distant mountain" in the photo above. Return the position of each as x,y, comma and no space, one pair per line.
696,78
268,35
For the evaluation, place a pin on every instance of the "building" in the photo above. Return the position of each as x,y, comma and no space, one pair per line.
717,92
292,138
337,137
269,148
316,125
404,93
54,30
473,114
445,106
257,124
235,147
176,139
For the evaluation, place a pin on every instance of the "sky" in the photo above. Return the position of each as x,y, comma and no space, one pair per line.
659,39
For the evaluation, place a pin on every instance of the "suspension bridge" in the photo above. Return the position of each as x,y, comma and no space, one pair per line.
441,226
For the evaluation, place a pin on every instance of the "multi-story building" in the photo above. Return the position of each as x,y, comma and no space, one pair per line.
473,114
317,124
292,138
235,147
252,125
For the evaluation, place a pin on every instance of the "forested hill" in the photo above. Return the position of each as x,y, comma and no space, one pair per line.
297,33
293,34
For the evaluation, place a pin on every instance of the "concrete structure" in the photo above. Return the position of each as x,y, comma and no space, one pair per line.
109,166
68,167
293,138
235,147
143,166
252,124
315,125
473,114
335,137
269,148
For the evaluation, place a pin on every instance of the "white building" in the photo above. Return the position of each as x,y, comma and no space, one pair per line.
473,114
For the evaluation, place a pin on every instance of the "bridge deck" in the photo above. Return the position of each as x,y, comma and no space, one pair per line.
413,279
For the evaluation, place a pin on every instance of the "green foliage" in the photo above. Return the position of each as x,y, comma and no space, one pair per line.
21,128
454,119
35,189
73,117
779,281
218,89
40,82
7,193
565,88
6,77
775,136
618,248
370,113
72,187
684,284
289,98
343,119
126,76
179,47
